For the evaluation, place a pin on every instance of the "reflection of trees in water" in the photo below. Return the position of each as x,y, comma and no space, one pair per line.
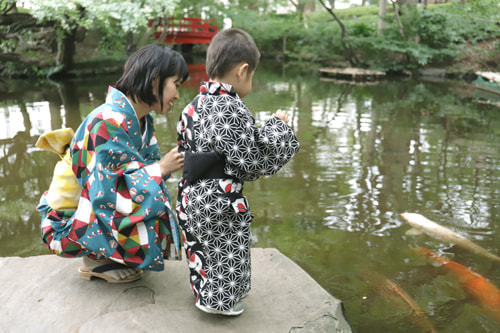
18,165
22,178
25,172
20,229
365,157
411,160
17,157
398,152
357,177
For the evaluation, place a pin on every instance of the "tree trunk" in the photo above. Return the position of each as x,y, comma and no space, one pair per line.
66,52
164,31
144,39
8,8
309,6
382,11
18,21
398,19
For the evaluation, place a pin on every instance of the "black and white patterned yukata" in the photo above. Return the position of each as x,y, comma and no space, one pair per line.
212,212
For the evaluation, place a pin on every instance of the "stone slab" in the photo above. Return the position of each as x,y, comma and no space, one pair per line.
45,294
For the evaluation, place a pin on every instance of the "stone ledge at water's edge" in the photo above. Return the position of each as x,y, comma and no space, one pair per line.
45,294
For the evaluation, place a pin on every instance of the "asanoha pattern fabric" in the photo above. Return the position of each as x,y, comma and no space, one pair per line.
213,213
124,212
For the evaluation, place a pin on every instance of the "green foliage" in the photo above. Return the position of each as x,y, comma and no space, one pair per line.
270,32
361,30
125,15
5,4
358,12
112,18
201,8
428,40
475,21
353,13
433,29
433,36
8,45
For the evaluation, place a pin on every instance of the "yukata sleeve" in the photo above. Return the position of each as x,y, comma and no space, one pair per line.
254,151
185,126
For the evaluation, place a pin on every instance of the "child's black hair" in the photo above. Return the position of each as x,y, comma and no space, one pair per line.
228,48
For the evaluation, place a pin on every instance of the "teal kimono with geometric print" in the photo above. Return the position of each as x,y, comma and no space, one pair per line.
124,211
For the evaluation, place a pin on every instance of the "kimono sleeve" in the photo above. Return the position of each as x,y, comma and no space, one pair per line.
254,151
120,178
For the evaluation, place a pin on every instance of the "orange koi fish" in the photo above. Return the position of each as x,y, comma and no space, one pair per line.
474,284
418,316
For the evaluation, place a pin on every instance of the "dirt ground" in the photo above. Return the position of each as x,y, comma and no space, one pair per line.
484,56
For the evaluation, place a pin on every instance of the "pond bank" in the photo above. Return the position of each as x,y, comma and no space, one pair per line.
44,294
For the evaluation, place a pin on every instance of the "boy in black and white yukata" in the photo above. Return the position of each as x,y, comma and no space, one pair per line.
223,148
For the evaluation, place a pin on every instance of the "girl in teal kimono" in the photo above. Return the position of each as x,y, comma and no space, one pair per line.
122,222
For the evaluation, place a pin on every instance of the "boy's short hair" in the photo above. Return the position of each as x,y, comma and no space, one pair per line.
228,48
151,62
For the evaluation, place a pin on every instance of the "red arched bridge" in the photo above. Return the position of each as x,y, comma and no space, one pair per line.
188,30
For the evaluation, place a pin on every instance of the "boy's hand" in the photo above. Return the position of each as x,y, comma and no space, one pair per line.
282,115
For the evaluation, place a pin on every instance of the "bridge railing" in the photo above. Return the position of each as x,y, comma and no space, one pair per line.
188,30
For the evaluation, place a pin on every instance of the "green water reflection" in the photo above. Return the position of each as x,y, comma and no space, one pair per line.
368,153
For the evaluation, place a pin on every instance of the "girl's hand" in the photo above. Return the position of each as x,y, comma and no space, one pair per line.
282,115
171,162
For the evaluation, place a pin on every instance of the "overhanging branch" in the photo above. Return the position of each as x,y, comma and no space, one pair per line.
351,55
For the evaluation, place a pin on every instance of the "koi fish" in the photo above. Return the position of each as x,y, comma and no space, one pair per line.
418,316
434,230
474,284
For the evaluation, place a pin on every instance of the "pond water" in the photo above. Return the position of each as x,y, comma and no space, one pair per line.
368,153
